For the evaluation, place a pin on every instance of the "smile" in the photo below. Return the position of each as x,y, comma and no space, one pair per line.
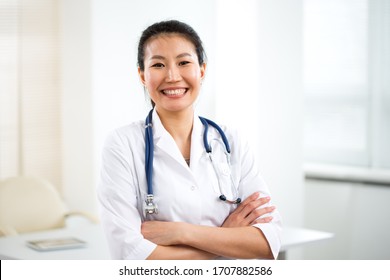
174,92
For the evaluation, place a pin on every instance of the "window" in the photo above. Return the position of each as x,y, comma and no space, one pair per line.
347,95
30,109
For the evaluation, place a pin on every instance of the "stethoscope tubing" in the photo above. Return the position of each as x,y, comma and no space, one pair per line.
149,152
206,123
149,155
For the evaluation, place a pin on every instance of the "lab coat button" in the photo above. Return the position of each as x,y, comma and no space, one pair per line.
193,188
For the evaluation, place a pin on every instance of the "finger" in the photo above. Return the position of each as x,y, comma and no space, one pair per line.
263,220
250,203
258,213
248,200
253,205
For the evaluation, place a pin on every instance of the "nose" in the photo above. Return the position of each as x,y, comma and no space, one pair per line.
173,74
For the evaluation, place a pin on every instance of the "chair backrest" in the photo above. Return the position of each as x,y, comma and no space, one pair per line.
29,204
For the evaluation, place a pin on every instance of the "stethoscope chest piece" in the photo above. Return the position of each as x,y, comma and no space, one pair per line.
150,207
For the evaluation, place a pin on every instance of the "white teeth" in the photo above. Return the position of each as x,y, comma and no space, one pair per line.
174,91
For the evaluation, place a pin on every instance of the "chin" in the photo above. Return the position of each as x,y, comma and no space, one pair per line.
178,107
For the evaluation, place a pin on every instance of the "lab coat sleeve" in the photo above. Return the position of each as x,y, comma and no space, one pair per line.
117,197
251,181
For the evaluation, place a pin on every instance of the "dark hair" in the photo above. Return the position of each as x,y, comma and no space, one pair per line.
169,27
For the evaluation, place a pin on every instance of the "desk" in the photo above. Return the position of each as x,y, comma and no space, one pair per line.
14,247
293,237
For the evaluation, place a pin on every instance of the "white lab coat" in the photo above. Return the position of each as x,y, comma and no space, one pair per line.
182,193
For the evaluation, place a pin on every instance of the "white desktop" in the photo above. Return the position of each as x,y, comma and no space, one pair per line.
15,247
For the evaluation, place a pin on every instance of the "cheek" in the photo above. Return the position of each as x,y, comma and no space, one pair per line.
194,75
152,80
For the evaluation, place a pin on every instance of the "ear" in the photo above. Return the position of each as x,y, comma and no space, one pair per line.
141,75
203,70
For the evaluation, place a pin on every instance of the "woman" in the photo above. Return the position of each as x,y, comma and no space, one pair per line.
196,210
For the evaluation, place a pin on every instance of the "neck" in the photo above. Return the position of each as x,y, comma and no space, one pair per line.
179,125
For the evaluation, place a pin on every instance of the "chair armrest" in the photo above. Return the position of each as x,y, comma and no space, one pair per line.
86,215
7,231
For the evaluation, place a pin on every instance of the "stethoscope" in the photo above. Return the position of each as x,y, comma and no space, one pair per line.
150,207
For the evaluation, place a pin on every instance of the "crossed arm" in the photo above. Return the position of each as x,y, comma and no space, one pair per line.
236,238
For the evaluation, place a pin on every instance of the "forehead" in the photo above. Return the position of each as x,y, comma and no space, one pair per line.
165,44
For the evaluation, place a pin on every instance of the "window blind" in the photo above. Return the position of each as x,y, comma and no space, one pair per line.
9,116
30,142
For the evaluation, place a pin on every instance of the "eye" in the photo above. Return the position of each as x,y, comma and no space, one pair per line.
183,63
158,65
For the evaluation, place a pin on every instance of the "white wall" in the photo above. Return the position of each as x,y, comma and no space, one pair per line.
358,215
259,90
77,105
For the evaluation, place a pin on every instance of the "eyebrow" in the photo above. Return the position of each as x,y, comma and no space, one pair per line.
163,58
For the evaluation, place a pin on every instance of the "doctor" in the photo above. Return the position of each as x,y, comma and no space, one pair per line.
203,205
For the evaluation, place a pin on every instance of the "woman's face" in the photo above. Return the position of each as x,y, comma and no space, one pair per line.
172,73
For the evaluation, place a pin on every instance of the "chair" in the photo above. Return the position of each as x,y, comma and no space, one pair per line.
32,204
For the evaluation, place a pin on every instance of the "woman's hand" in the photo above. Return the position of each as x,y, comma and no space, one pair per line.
163,233
249,213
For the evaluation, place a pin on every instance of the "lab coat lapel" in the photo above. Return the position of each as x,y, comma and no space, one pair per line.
197,147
